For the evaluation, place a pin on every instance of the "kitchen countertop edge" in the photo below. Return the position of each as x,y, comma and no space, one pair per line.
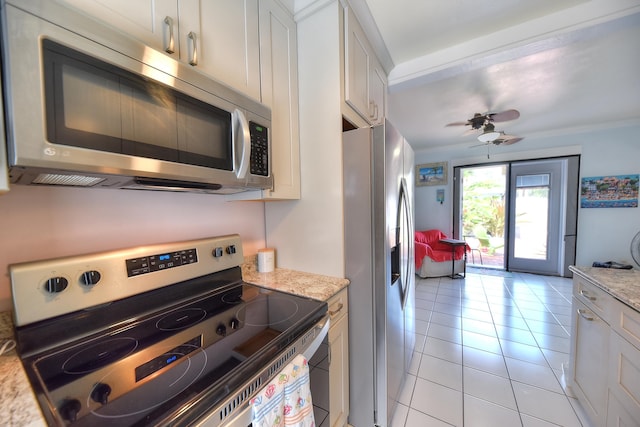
624,285
308,285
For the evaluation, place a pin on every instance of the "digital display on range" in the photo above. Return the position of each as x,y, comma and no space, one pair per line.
168,358
151,263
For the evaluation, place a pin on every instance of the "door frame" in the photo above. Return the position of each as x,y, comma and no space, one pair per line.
570,203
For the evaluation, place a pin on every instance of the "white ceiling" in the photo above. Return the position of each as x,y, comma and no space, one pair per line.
566,65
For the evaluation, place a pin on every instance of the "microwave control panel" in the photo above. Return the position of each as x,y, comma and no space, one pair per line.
259,164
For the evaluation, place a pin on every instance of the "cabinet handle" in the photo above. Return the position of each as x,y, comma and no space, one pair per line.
170,46
586,295
336,311
193,53
583,314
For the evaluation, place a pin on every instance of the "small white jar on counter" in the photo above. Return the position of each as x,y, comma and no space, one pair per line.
266,260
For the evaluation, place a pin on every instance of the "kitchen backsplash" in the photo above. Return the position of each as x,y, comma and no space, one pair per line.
40,223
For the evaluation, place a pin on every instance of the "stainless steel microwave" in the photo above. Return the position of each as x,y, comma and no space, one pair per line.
86,105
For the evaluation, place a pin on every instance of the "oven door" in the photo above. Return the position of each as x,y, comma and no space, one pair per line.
243,417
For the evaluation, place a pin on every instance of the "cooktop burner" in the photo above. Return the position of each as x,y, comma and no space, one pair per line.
194,332
98,355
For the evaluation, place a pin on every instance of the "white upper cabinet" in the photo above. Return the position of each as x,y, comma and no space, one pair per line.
279,83
279,75
229,43
218,37
365,82
142,19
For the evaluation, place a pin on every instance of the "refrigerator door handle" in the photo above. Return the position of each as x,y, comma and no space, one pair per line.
403,242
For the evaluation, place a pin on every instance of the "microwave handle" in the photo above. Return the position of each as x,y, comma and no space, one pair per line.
241,144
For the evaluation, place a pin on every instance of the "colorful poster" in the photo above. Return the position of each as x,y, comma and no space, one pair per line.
620,191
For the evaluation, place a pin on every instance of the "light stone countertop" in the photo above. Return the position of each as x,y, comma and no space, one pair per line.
308,285
623,285
18,405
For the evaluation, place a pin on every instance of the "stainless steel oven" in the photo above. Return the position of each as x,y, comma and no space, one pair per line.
88,106
156,335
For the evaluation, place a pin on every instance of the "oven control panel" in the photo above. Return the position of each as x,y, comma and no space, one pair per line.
50,288
149,264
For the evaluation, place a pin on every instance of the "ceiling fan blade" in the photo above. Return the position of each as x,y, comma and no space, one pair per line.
470,132
504,116
457,124
512,140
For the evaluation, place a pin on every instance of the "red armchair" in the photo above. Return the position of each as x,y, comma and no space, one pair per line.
433,259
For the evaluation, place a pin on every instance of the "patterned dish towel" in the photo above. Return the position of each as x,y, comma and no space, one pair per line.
285,401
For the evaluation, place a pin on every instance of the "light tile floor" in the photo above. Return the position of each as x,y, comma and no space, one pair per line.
490,351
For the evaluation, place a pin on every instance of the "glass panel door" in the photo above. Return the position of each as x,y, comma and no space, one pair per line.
531,216
535,226
536,199
483,203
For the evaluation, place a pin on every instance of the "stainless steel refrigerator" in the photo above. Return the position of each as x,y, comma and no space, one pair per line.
378,184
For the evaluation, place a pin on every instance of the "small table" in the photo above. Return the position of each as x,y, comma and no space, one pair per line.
453,243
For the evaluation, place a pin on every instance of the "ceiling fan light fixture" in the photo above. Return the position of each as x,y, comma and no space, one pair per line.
490,134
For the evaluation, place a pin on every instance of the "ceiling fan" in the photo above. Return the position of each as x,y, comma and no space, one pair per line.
489,133
479,120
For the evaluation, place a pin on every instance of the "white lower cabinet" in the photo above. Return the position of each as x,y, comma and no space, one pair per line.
339,360
330,368
590,352
605,356
624,378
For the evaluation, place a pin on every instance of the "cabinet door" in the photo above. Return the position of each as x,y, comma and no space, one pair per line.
339,372
142,19
617,414
357,66
378,95
226,39
590,352
279,77
624,381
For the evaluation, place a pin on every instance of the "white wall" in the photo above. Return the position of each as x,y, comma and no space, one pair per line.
603,234
47,222
308,233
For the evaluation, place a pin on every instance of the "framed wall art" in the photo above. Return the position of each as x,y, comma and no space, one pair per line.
614,191
431,174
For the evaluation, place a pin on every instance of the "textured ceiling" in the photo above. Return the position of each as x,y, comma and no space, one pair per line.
565,65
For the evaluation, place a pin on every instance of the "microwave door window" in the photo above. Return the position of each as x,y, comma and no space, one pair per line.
83,105
204,135
91,102
149,121
95,105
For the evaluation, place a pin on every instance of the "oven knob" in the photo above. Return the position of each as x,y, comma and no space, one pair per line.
56,284
70,409
217,252
234,323
221,330
90,278
100,393
231,249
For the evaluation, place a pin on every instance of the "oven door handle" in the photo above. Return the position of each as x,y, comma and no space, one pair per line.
322,329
